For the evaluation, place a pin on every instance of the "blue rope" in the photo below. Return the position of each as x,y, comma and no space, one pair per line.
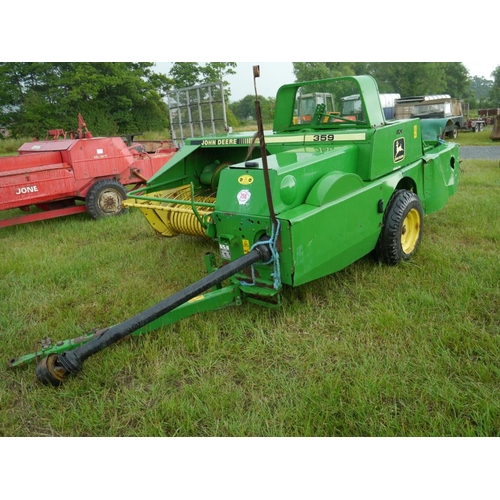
275,258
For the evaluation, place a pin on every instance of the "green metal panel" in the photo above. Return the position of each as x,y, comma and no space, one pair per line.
441,176
365,85
171,171
324,239
393,146
321,240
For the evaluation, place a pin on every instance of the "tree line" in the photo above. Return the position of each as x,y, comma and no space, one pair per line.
126,98
406,79
115,98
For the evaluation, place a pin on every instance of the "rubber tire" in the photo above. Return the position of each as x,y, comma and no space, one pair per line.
105,199
454,134
404,209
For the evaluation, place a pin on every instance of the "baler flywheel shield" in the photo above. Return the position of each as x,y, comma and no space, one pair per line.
175,211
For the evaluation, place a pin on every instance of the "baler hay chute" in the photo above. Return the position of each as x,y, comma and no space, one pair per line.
313,198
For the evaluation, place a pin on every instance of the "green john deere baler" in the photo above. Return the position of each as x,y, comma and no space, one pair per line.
285,207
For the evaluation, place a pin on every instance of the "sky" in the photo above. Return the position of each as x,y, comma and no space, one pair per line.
275,74
266,33
272,76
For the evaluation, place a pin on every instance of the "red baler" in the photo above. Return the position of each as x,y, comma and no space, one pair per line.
68,176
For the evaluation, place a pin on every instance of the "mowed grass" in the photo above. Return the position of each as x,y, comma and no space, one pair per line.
470,138
411,350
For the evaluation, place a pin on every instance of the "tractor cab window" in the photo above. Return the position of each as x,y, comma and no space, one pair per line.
307,104
352,106
326,104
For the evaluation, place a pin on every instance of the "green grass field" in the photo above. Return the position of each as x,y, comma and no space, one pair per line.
410,350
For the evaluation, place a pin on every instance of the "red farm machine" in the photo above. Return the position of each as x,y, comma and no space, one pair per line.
64,175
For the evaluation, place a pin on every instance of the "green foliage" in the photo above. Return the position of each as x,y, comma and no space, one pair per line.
457,81
415,78
232,120
185,74
121,98
307,71
112,97
373,350
244,109
217,71
10,146
481,89
410,78
494,101
189,74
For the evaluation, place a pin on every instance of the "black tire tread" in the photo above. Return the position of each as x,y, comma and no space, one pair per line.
92,198
388,247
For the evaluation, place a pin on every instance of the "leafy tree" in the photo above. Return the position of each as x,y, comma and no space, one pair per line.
494,101
217,71
409,79
306,71
458,81
244,109
189,74
185,74
481,87
114,98
480,90
412,78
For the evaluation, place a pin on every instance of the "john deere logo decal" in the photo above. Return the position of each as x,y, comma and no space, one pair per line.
399,149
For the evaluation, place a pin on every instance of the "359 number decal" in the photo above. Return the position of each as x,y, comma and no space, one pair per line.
323,137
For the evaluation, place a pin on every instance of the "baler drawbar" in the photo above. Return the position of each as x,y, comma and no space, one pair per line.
327,186
54,368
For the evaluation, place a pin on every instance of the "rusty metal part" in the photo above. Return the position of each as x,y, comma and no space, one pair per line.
50,372
263,152
495,133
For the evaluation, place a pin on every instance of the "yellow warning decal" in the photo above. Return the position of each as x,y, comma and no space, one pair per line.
246,246
245,179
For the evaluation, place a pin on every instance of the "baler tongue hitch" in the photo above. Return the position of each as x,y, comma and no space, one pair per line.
55,368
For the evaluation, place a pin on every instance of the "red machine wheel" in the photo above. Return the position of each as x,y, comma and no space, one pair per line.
105,198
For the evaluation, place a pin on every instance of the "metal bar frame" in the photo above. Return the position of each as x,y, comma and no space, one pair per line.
175,106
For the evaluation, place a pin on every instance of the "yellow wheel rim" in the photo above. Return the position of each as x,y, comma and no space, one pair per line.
410,231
